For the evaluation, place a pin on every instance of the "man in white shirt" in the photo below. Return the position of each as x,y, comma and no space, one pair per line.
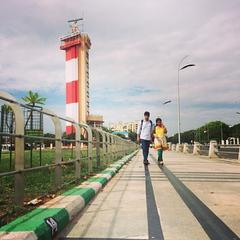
144,135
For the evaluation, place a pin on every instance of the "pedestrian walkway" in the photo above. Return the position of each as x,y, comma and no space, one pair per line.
189,198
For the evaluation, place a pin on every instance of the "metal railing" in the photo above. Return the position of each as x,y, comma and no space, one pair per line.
204,149
228,151
96,144
211,150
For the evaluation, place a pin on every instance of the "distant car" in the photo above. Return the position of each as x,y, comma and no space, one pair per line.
27,146
8,147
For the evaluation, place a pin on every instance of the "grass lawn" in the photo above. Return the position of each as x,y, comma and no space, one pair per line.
40,183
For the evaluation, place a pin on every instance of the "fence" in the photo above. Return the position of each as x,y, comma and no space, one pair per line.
211,150
89,150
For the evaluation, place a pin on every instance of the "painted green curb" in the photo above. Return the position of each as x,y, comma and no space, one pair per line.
35,221
86,193
101,180
41,229
110,172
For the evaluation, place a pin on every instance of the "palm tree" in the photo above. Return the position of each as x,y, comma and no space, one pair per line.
7,118
33,99
7,110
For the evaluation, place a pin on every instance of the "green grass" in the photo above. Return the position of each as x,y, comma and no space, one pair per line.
41,182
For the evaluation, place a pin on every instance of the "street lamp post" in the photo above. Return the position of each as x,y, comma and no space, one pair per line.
221,132
165,103
178,94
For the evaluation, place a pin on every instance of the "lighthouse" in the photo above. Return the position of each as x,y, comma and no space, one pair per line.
76,46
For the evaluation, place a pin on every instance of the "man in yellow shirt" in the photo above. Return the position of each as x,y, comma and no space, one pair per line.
160,141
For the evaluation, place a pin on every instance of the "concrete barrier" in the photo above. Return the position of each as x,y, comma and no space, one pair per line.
173,147
179,147
196,148
213,149
169,145
185,148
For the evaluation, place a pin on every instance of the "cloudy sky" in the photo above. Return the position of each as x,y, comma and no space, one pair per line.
136,47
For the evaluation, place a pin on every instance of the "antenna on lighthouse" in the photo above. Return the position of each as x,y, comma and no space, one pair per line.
74,25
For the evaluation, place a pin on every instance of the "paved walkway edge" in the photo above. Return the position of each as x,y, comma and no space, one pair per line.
49,219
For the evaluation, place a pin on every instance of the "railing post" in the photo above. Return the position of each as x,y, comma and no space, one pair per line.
97,148
122,146
213,149
90,147
196,148
77,149
78,152
185,148
58,147
108,148
19,148
104,144
116,147
126,147
112,147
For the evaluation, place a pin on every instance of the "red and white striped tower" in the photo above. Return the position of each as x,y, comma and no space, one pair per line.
76,46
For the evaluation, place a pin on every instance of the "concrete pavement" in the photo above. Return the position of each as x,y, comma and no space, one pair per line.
189,198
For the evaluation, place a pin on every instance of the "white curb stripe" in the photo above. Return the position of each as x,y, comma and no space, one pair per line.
96,186
18,236
104,175
73,204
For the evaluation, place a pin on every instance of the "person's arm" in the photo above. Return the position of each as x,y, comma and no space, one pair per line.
165,129
153,132
138,132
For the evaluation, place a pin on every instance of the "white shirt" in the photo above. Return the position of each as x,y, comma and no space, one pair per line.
146,132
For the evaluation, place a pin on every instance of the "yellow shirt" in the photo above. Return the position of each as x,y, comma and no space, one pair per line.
159,131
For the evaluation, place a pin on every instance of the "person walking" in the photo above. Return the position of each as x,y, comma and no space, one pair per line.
144,135
160,141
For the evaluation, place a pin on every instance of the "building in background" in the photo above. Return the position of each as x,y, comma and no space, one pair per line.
76,46
124,127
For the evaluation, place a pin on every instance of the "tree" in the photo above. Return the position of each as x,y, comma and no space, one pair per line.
6,111
7,118
132,136
47,142
215,130
121,135
33,99
106,129
235,131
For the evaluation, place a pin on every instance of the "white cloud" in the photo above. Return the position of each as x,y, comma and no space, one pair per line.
134,43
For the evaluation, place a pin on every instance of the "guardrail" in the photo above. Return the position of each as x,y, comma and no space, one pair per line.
213,149
97,148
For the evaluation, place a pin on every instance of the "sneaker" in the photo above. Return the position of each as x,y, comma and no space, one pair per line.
146,162
161,162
